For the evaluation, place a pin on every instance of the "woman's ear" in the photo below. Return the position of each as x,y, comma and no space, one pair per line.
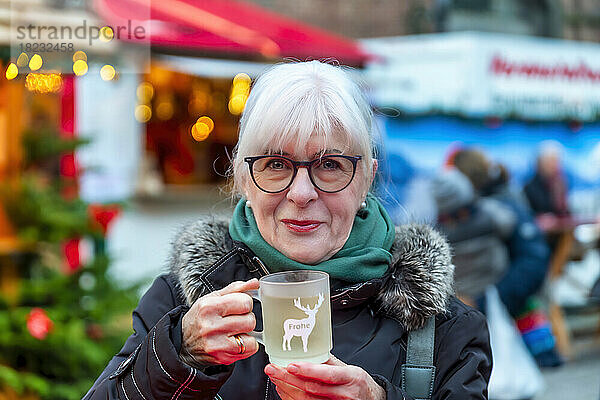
375,165
372,178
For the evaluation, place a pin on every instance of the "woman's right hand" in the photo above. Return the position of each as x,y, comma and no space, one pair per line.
213,320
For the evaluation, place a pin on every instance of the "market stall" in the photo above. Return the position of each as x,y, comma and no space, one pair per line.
188,100
504,93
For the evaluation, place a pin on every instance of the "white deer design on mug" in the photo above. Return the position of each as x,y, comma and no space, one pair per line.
300,327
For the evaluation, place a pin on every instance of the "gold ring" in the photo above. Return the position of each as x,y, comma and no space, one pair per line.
240,343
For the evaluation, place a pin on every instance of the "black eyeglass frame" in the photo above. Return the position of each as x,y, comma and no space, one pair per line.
305,164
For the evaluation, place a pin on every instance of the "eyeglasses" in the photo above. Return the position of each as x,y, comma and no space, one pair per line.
330,173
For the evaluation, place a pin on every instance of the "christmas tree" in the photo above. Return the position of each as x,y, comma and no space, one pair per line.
68,317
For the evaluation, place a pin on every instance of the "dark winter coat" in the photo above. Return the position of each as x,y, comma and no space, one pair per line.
477,232
528,253
539,195
370,323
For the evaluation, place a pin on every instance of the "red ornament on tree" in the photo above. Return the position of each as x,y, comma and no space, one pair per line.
72,259
39,324
102,215
68,167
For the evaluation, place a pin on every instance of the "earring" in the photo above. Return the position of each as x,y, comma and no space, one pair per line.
363,205
248,204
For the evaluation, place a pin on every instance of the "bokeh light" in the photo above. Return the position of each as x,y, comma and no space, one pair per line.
22,60
43,83
143,113
80,67
36,62
202,128
207,121
12,71
200,131
242,78
107,72
79,55
236,104
145,92
106,34
239,93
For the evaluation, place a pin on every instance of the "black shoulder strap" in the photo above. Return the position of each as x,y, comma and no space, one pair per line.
418,373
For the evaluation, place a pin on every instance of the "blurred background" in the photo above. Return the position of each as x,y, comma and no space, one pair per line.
118,118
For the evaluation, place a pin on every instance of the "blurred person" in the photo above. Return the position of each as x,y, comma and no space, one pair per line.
529,253
547,195
476,228
303,167
547,190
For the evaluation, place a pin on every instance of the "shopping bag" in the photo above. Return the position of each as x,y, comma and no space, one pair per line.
515,374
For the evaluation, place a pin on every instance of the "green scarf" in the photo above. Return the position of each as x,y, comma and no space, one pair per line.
365,254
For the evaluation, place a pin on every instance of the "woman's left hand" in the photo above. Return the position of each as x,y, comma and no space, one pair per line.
331,380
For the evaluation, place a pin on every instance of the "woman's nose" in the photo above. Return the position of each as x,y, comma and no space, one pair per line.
302,190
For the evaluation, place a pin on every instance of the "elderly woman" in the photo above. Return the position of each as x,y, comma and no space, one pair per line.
303,166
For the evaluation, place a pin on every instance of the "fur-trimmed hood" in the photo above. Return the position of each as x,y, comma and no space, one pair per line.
418,284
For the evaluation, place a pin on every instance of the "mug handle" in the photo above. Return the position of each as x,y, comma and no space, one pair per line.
255,334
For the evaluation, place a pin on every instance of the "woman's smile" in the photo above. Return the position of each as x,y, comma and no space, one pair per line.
301,226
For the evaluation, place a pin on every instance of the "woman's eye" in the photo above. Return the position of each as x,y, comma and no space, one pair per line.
329,164
276,164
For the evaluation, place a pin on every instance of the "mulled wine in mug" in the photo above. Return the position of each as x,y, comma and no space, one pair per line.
296,316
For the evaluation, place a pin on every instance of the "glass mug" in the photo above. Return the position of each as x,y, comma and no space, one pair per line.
296,314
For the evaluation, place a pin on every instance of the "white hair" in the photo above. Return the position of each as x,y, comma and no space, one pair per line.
291,102
550,148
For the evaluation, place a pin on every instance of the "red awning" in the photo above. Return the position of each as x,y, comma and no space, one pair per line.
226,26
